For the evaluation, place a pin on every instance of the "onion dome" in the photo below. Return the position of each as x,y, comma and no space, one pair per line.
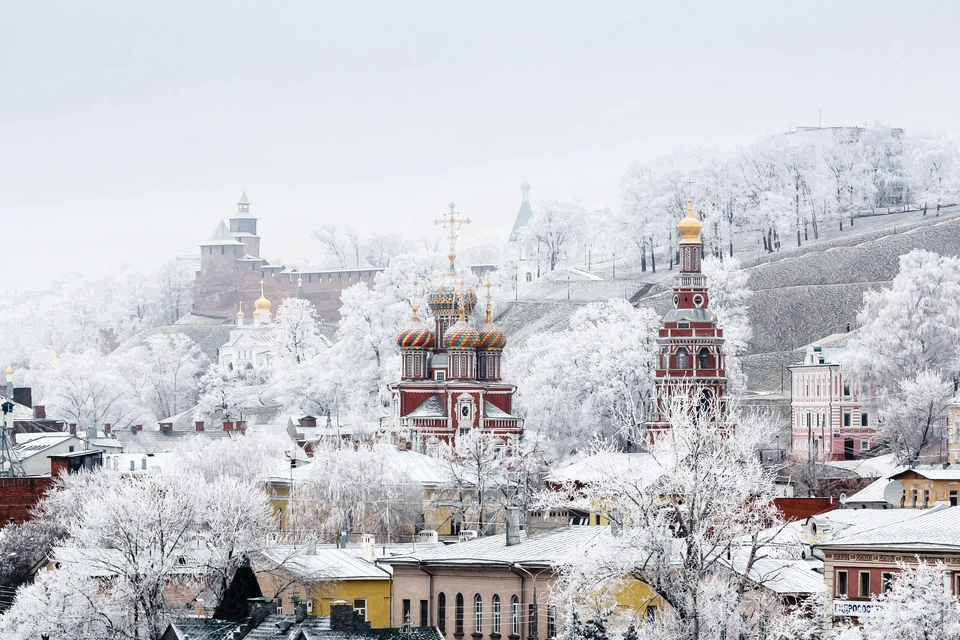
490,337
9,370
689,228
461,336
240,313
262,304
415,335
445,298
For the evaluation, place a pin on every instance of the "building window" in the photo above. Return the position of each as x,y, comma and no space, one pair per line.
846,419
953,498
916,496
424,613
864,445
405,616
704,357
409,365
477,614
482,362
442,612
551,621
841,583
886,581
532,620
926,497
496,614
360,606
864,420
458,615
683,358
529,277
515,616
864,584
440,376
846,389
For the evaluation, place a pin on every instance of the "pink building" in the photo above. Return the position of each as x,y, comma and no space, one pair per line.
832,419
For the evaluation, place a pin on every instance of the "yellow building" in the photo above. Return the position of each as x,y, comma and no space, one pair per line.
322,575
929,485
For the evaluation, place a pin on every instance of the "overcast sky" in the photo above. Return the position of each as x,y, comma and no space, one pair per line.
129,129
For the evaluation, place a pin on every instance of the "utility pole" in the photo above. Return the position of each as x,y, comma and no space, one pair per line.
10,465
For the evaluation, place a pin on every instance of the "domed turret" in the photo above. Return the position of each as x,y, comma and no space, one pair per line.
415,335
689,228
446,297
491,338
461,336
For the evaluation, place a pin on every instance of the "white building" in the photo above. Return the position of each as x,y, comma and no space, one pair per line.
251,343
34,449
832,419
524,256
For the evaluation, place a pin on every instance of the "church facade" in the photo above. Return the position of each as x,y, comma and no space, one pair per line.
451,380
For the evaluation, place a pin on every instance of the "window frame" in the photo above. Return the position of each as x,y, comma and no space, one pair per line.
424,613
863,593
478,614
458,615
515,616
361,610
496,614
442,612
842,586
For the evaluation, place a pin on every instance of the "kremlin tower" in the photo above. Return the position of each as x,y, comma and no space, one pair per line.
690,357
451,379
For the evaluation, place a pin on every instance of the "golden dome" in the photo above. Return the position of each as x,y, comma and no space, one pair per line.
689,227
262,304
9,370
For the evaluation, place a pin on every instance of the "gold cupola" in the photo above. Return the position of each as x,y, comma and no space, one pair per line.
689,227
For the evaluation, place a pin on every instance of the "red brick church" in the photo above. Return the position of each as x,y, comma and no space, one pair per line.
451,381
690,358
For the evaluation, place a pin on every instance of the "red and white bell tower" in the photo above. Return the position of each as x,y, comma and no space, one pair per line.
690,358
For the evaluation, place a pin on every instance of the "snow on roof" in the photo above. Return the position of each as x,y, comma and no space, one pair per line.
931,472
20,411
432,407
546,549
38,445
421,468
926,528
881,466
493,411
608,464
873,492
103,562
782,576
221,236
842,520
326,564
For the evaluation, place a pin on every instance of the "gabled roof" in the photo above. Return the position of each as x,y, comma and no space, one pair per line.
523,217
208,628
221,236
493,411
547,549
41,444
325,564
782,576
432,407
930,472
937,528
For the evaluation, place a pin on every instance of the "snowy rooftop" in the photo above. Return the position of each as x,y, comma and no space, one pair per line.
925,528
327,564
608,465
881,466
546,549
784,577
221,236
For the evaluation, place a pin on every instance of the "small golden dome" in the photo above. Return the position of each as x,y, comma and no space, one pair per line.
9,370
689,227
262,304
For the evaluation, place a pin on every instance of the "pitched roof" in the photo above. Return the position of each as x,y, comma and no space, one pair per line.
937,528
41,443
200,628
546,549
284,627
432,407
523,217
326,564
607,464
782,576
493,411
221,236
930,472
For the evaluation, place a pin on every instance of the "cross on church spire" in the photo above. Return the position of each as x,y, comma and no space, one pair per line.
453,222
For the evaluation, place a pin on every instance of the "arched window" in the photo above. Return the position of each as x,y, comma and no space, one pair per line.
665,358
683,358
477,614
442,612
496,614
458,615
529,277
515,615
704,358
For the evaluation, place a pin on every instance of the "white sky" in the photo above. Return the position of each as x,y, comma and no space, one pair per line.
128,129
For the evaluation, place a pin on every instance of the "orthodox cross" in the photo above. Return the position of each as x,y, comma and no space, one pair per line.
453,222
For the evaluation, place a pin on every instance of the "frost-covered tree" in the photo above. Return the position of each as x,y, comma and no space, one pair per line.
297,331
218,400
555,227
703,502
915,417
88,390
479,476
934,164
165,373
596,378
729,299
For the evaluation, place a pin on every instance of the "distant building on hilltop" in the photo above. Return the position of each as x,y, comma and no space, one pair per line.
231,271
832,419
524,257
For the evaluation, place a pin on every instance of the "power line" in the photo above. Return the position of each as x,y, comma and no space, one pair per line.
909,46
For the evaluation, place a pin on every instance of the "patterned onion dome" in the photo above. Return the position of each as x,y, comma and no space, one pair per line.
491,338
461,336
443,297
416,336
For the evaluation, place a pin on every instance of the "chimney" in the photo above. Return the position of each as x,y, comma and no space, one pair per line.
39,412
73,428
166,427
241,425
308,422
343,617
513,526
368,547
260,608
23,395
199,425
107,429
299,610
139,427
228,426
